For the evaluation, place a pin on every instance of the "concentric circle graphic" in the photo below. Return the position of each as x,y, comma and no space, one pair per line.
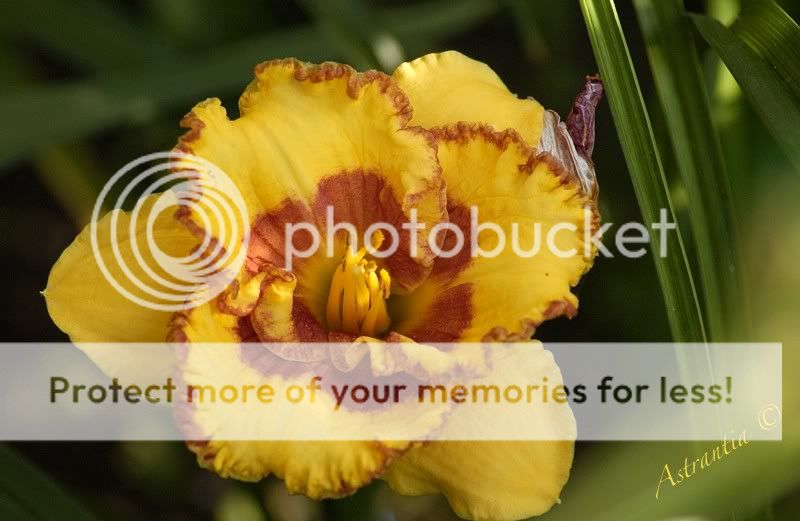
147,274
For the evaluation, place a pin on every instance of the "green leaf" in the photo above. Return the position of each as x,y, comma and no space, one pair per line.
53,114
191,24
772,33
93,33
644,164
47,115
25,489
698,154
771,98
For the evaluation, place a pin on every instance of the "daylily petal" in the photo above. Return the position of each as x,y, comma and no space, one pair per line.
206,323
312,136
497,480
468,298
83,303
81,300
387,357
488,480
448,87
318,469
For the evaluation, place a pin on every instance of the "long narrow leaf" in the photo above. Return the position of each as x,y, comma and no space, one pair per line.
644,164
681,89
24,488
772,33
769,95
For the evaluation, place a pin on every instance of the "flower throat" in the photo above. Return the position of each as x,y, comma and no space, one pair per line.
357,296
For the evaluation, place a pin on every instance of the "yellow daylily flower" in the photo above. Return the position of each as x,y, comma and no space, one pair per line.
440,136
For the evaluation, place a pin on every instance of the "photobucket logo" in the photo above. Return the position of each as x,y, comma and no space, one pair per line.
155,278
630,238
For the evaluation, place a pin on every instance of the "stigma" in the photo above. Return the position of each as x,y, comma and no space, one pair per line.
357,297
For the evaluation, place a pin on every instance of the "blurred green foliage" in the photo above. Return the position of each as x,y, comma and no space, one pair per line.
88,85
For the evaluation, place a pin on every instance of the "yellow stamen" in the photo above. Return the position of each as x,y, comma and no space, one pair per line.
357,298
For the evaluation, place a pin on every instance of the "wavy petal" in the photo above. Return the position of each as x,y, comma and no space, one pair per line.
468,298
448,87
85,305
318,469
488,480
312,136
497,480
